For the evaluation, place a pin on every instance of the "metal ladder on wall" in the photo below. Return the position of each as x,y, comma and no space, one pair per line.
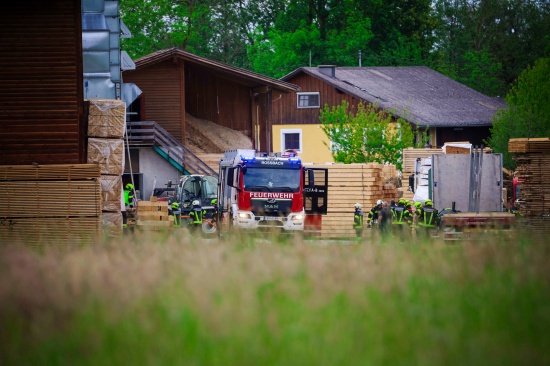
151,134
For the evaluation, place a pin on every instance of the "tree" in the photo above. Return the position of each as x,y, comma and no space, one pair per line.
368,135
497,37
528,112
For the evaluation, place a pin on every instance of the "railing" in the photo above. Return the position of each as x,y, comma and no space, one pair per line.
151,134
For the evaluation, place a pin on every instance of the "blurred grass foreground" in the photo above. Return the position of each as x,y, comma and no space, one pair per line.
183,301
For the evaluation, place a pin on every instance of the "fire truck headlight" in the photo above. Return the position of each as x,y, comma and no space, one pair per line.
244,215
298,217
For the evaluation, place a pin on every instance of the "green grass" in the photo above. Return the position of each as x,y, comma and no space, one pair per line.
181,301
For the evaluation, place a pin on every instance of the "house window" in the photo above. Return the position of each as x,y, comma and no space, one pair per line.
291,139
308,100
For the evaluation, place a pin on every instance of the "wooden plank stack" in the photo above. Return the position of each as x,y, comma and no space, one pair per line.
106,126
153,215
530,145
49,204
533,170
350,184
410,157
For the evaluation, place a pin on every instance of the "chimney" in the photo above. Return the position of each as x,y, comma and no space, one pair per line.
329,70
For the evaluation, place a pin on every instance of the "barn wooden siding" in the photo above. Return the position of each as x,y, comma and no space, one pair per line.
220,100
41,96
475,135
173,87
162,90
284,105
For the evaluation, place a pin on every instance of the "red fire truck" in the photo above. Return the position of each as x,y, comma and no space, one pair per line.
257,190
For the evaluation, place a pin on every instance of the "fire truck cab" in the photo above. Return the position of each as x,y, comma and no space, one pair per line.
257,191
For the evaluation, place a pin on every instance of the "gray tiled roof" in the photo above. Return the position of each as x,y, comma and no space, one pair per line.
416,93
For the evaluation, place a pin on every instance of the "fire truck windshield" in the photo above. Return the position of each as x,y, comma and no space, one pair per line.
272,180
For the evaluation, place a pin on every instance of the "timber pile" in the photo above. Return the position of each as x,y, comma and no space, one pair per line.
153,215
106,126
410,156
47,204
350,184
533,162
529,145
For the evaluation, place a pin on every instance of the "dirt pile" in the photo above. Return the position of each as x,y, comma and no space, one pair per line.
206,137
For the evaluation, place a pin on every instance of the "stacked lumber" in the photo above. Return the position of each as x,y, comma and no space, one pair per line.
106,127
529,145
410,156
533,161
153,215
106,118
350,184
49,204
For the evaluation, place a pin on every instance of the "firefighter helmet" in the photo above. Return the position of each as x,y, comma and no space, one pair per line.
195,203
175,205
129,187
428,202
379,202
357,205
418,204
214,201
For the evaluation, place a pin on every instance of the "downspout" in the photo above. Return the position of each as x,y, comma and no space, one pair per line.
268,110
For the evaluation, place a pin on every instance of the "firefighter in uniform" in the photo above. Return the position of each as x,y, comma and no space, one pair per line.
372,217
402,218
428,218
129,203
358,220
196,215
176,212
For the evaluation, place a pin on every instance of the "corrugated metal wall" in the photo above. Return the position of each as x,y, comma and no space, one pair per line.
41,96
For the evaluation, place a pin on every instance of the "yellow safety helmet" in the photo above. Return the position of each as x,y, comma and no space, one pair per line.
175,205
428,202
418,204
129,186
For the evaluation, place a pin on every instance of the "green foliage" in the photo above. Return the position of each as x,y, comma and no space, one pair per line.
283,51
367,135
490,39
483,44
481,73
528,113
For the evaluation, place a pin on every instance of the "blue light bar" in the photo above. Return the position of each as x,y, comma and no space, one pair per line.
248,159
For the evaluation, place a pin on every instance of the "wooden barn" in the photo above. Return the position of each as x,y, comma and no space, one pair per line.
41,96
424,97
175,82
50,188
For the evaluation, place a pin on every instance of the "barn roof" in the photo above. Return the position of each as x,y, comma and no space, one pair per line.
415,93
246,77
